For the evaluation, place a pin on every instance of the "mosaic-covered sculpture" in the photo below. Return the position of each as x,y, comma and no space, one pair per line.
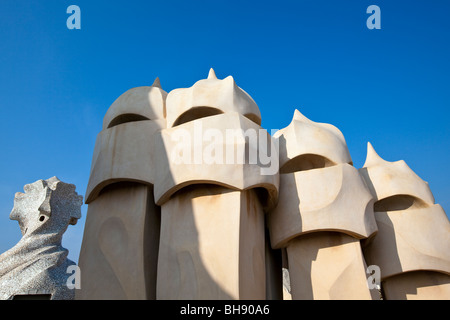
38,264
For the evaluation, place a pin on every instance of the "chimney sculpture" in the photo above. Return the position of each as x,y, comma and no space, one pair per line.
119,252
324,210
37,266
213,192
190,198
412,247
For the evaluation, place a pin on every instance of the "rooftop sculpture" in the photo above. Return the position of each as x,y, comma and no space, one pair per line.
412,247
37,264
184,203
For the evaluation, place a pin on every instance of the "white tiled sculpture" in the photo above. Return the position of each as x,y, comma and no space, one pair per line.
324,209
37,266
412,247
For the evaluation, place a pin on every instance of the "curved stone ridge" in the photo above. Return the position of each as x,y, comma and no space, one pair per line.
145,103
37,264
386,179
332,199
220,96
305,137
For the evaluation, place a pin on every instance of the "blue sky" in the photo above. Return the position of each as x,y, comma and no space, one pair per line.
390,86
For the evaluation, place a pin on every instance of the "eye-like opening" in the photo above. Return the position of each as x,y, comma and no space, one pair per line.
399,202
196,113
306,162
127,117
41,218
253,117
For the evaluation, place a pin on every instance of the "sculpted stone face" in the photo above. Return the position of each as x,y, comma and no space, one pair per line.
218,253
38,263
44,206
29,207
120,198
324,208
124,149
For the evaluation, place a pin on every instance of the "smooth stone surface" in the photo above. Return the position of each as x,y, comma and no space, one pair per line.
125,152
212,245
328,199
327,266
410,240
188,161
119,252
418,285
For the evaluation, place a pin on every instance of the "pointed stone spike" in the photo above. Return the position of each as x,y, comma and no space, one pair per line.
299,116
212,74
372,158
157,83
